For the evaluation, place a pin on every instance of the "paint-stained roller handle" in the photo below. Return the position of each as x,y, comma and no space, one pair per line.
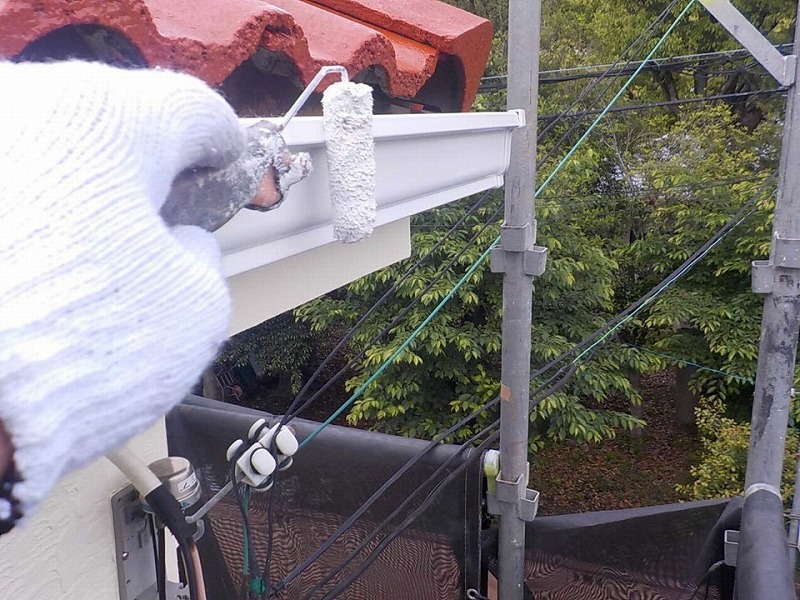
259,180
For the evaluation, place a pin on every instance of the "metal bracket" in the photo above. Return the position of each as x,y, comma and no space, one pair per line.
133,544
779,66
731,547
519,239
786,255
513,492
786,252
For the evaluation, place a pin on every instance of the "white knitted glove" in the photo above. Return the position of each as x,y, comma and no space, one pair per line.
107,317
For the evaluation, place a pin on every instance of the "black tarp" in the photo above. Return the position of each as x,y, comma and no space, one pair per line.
437,558
654,553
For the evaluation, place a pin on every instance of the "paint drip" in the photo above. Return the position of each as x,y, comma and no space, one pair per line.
347,119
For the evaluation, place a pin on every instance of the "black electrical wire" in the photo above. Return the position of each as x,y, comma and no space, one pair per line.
293,410
266,574
184,551
745,210
161,571
252,563
705,579
291,414
495,83
664,104
435,476
293,407
376,495
572,367
586,342
639,41
279,587
345,583
634,46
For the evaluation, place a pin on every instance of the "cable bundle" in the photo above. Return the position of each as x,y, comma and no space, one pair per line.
564,368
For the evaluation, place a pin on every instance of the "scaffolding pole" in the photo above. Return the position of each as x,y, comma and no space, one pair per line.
519,260
779,279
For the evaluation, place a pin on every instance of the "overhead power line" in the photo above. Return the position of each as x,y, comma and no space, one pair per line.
494,83
665,103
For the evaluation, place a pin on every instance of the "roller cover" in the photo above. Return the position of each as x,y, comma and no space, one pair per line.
347,118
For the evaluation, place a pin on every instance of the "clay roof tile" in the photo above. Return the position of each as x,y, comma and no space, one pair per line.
400,43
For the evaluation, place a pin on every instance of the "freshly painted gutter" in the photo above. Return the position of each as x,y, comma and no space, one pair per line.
423,161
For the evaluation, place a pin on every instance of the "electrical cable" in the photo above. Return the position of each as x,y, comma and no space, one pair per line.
250,557
705,579
185,552
433,478
377,494
537,397
591,341
563,161
619,93
293,410
290,415
667,103
633,47
396,319
486,253
469,272
265,573
697,366
304,390
571,369
493,83
164,506
345,583
197,567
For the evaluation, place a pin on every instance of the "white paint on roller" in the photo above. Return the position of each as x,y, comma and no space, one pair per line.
350,149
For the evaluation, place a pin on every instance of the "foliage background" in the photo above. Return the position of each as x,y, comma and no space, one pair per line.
648,188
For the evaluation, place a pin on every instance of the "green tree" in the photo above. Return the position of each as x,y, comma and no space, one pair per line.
638,198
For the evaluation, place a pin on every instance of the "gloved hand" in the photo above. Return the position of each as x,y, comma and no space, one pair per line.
107,317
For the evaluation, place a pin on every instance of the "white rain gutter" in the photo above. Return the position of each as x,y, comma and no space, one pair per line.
423,161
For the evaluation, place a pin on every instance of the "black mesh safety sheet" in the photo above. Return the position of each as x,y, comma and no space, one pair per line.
653,553
436,558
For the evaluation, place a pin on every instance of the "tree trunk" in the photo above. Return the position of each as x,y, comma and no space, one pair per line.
637,433
685,400
211,387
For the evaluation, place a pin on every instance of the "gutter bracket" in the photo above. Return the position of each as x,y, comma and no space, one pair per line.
785,255
519,239
781,67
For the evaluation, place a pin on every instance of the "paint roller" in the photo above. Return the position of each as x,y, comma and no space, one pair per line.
261,178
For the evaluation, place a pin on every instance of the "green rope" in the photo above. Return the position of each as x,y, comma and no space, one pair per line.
402,347
486,253
697,366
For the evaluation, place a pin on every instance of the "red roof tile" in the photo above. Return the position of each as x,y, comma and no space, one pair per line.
398,45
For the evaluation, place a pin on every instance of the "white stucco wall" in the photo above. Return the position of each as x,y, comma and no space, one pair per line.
67,550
